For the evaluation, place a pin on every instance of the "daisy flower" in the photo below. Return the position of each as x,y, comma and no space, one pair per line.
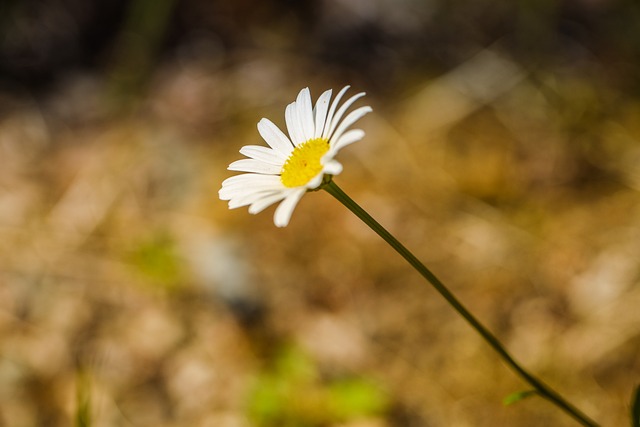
297,163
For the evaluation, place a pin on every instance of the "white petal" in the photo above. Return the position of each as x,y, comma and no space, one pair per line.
232,188
285,208
230,191
345,139
266,201
238,203
249,178
304,111
247,199
238,195
242,193
264,154
336,120
334,105
351,118
252,165
332,167
315,181
275,137
294,129
320,112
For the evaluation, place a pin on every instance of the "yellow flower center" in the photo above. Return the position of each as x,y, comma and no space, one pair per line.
304,162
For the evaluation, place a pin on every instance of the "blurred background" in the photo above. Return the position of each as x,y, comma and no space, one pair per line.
503,150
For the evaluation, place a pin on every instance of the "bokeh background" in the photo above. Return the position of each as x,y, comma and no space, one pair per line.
503,150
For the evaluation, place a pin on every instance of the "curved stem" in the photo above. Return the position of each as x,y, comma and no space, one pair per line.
541,388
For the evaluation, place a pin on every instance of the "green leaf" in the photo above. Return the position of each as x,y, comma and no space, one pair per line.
518,396
635,408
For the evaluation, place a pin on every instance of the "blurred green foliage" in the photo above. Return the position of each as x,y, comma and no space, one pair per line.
292,394
157,261
635,408
139,42
83,400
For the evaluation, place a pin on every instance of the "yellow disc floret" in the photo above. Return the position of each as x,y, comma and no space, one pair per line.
304,162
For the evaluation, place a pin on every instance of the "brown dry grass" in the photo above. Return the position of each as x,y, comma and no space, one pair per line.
118,258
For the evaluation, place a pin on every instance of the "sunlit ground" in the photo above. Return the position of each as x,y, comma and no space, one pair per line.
123,276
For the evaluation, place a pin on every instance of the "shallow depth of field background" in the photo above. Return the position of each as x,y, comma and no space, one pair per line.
504,150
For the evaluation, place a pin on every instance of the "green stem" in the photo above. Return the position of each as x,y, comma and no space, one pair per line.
541,388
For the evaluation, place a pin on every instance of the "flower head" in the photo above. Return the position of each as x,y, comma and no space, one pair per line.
293,164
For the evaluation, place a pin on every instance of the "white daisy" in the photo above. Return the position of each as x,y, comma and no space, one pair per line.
292,165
